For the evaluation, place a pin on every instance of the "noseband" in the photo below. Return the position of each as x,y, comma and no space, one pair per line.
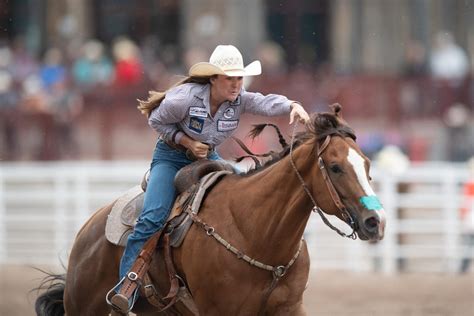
332,190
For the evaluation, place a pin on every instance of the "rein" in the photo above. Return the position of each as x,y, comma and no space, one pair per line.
277,271
332,191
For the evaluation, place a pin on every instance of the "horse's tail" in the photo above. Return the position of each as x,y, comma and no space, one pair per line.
50,302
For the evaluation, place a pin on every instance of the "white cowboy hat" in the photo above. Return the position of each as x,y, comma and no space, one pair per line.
225,60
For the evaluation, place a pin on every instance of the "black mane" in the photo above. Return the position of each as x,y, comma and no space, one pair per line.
325,124
321,125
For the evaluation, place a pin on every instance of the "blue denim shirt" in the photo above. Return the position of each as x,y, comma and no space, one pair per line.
186,110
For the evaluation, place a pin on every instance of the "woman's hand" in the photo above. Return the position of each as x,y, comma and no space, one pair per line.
298,112
199,150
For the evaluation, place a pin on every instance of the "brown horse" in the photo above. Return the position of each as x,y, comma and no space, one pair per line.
263,214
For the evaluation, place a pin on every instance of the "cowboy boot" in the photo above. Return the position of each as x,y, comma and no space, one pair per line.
123,301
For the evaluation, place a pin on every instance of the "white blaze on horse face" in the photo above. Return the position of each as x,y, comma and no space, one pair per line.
357,163
370,201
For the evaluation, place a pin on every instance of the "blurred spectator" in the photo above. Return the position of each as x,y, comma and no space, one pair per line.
449,67
272,57
371,142
414,70
467,218
459,130
193,56
5,60
154,68
448,60
415,59
23,64
8,107
64,105
169,56
392,160
93,67
52,106
128,67
33,97
52,71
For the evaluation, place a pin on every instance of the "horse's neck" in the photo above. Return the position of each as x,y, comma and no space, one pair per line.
275,209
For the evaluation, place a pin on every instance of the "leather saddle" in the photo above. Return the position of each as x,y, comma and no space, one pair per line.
191,183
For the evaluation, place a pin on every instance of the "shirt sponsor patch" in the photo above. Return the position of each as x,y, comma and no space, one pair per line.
197,111
229,113
224,126
196,124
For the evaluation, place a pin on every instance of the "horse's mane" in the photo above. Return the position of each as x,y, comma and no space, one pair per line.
324,124
321,125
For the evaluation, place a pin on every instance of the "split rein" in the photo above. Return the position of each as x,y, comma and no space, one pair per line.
332,191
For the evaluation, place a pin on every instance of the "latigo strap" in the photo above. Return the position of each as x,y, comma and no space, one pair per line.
136,275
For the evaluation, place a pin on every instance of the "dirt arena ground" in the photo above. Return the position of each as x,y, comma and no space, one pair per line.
328,294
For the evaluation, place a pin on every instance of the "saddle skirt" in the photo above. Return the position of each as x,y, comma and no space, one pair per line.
123,216
127,208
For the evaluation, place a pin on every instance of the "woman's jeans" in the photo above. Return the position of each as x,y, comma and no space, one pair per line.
159,198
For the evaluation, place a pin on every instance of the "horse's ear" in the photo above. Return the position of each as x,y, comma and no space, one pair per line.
336,108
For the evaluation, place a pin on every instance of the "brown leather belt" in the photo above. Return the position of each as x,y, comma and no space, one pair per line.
189,154
176,146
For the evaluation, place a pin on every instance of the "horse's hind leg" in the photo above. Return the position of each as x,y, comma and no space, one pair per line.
88,305
92,271
89,278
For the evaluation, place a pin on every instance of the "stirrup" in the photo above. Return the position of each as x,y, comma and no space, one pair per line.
112,290
119,304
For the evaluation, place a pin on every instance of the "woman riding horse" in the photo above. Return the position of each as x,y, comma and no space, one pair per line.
191,119
264,267
260,217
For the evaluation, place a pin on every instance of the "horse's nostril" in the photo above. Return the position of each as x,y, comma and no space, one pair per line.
371,223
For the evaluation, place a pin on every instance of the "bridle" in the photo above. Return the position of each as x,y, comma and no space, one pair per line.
332,190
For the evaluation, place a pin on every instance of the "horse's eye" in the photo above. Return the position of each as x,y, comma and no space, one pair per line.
336,169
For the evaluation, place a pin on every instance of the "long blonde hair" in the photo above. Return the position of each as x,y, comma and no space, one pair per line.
155,97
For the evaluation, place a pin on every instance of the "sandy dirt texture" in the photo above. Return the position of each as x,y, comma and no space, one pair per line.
329,293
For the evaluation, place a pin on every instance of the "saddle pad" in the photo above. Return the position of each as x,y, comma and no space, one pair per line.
125,211
127,208
123,215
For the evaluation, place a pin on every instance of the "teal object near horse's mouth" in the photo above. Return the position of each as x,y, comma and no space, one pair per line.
371,203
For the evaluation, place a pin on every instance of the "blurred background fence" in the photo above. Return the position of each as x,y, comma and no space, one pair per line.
43,205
